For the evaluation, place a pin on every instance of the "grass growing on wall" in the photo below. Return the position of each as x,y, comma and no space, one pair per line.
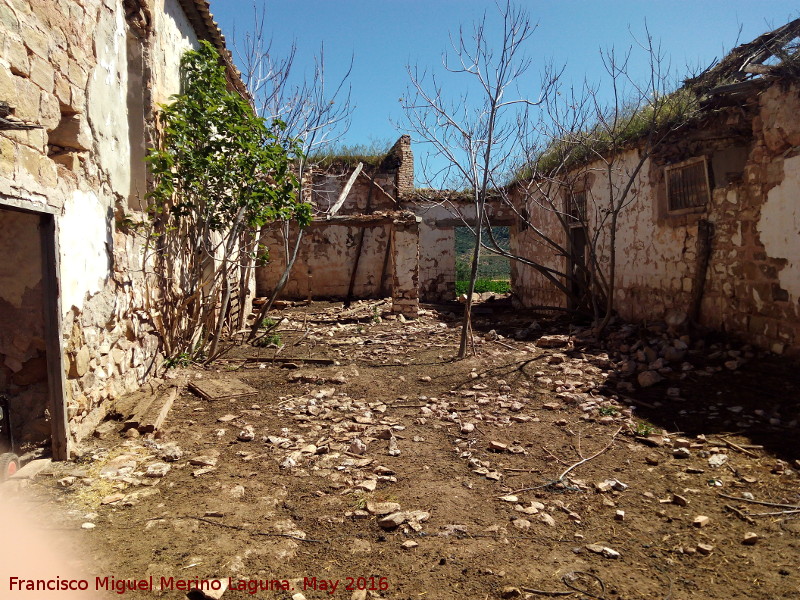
494,272
371,154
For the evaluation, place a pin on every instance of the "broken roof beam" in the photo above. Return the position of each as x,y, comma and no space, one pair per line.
734,65
345,191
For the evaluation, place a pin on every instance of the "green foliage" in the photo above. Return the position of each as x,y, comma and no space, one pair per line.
268,340
497,286
267,323
371,154
220,171
608,411
643,429
182,359
494,272
217,159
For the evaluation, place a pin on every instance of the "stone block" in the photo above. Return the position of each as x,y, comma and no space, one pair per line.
70,160
7,157
29,160
72,132
9,86
49,111
36,41
8,19
42,73
28,100
17,58
63,91
77,74
79,362
48,172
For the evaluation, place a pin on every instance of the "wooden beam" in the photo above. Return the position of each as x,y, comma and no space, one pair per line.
346,190
56,382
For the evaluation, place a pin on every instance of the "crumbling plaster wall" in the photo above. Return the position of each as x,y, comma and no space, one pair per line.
173,35
64,65
326,261
437,262
752,283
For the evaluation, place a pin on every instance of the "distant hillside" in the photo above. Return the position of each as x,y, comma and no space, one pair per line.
465,240
491,267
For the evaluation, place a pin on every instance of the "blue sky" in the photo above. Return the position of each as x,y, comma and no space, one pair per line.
384,36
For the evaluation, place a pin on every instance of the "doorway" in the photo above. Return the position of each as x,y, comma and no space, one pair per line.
494,270
578,280
31,364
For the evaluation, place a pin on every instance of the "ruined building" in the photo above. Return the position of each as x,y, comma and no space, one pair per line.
386,238
79,85
714,232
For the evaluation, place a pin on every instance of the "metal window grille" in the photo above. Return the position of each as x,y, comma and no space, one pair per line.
577,206
687,184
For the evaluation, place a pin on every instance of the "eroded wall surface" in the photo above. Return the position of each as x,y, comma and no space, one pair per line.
326,262
752,283
78,69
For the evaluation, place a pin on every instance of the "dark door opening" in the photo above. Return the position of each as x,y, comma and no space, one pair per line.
31,373
579,283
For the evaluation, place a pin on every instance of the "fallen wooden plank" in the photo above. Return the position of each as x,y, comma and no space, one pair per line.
133,421
346,190
154,418
219,389
32,469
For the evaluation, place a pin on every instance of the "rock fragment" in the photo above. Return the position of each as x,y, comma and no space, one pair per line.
701,521
603,550
750,538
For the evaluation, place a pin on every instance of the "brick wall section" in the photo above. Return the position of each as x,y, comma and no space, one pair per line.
405,265
404,161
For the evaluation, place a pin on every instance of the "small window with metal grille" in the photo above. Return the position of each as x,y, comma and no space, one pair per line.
576,206
687,184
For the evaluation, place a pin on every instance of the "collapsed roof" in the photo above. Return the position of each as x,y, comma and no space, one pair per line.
774,53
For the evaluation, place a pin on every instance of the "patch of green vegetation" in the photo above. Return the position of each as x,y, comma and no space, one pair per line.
371,154
643,429
494,272
183,359
267,323
608,411
484,285
267,340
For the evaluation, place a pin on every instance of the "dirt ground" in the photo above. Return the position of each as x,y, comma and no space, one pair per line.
538,468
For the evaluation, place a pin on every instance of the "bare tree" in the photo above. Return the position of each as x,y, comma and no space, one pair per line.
552,142
476,139
309,113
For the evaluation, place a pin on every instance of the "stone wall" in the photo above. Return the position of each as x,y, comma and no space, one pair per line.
326,262
752,284
332,251
80,70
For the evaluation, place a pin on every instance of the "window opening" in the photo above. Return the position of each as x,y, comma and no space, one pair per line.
687,184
